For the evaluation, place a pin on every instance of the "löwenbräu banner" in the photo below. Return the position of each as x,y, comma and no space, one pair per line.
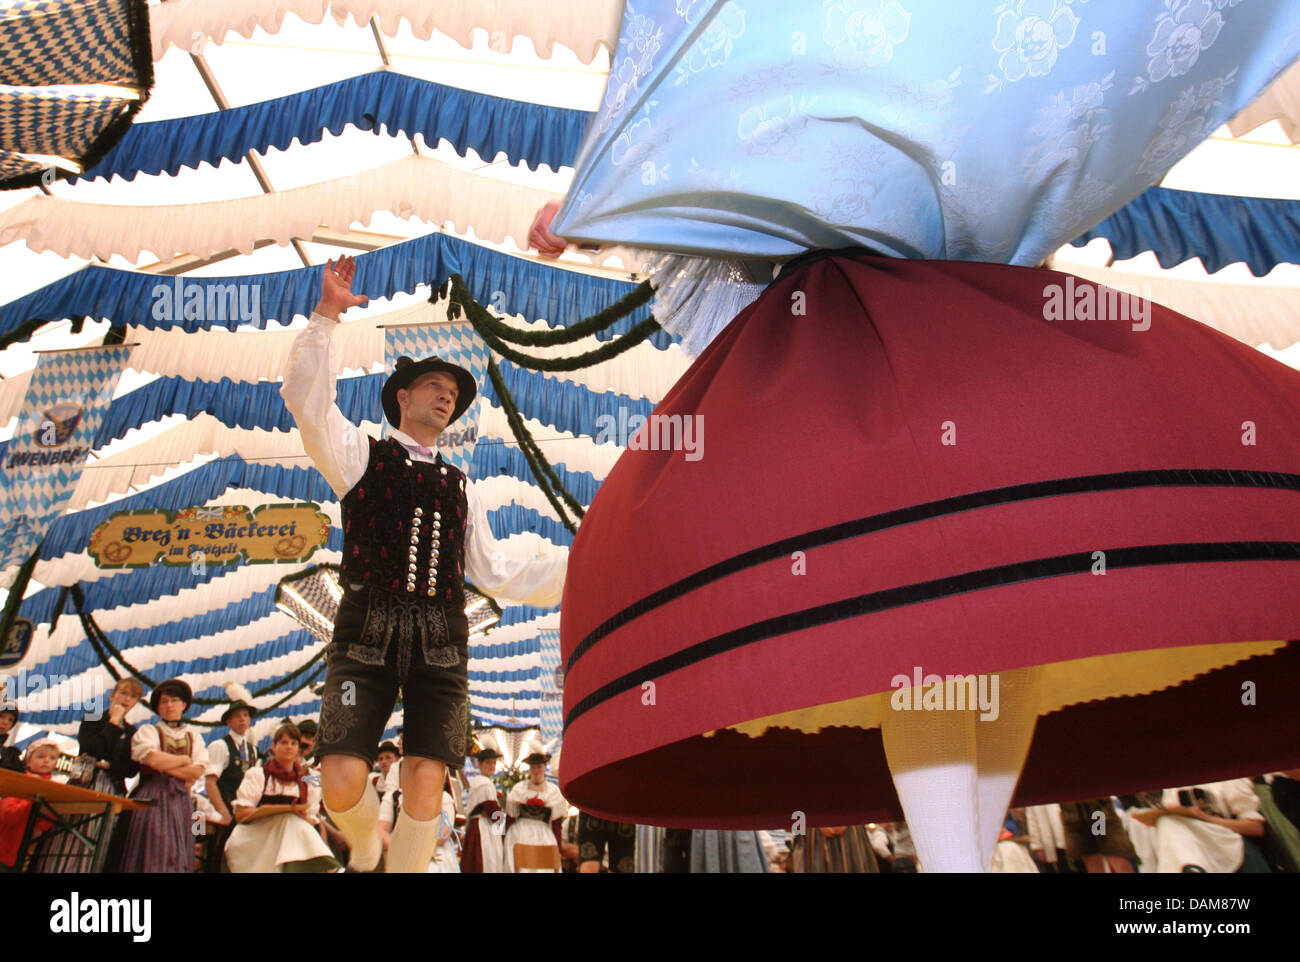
66,400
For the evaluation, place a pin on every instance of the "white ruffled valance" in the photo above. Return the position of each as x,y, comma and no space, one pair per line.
584,26
560,447
145,657
12,391
1280,102
250,356
1254,313
139,464
414,186
112,478
641,372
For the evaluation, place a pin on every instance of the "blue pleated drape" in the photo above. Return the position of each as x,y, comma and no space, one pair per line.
527,133
564,405
1178,225
513,284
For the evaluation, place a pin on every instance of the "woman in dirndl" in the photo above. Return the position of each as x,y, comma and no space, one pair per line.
446,859
926,471
172,757
288,842
105,740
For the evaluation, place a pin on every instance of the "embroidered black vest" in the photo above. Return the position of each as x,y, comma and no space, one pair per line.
404,527
541,813
233,774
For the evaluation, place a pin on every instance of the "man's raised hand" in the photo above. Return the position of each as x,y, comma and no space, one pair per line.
336,288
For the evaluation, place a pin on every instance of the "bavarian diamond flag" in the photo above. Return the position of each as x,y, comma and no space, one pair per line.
457,343
66,400
551,684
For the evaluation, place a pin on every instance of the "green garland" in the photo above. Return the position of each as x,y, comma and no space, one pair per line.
640,296
494,333
25,330
108,652
16,592
477,315
542,471
91,630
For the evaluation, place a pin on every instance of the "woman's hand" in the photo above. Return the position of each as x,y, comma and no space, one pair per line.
540,236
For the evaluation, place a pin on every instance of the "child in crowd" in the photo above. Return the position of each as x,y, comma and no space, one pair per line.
41,757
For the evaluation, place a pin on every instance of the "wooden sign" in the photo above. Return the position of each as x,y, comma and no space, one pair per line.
210,536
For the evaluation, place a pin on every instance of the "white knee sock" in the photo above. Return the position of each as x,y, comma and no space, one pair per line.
955,773
413,843
931,756
1001,747
360,826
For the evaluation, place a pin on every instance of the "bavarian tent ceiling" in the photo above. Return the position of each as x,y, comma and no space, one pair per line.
420,137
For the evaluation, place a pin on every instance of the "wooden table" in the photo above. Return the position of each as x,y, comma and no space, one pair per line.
56,801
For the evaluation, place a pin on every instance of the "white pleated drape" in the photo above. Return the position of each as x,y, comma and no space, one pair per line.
1280,102
1255,313
584,26
416,186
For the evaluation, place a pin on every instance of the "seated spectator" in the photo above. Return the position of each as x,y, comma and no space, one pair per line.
1205,828
288,842
10,757
307,744
1095,835
42,755
1286,794
1047,837
845,849
388,754
1011,854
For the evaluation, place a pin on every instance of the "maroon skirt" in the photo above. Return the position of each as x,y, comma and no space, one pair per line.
908,469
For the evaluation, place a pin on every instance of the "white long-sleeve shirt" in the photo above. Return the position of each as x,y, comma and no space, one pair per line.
219,754
254,785
341,452
146,740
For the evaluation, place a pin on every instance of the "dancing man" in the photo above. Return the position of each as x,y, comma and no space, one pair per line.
413,533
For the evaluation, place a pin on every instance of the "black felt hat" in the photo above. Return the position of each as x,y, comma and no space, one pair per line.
172,686
235,705
406,370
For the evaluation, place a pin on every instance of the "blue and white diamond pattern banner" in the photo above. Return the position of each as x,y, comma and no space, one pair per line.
66,400
551,684
457,343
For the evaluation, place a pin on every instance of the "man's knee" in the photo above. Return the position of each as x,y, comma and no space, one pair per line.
422,781
342,780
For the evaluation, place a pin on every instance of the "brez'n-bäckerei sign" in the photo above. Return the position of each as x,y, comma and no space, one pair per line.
216,536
